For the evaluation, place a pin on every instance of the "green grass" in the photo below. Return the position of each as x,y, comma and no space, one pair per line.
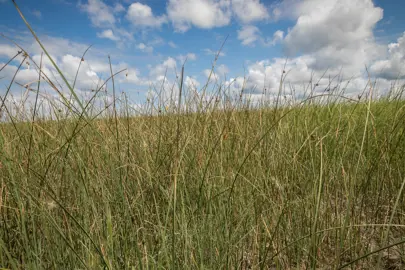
315,185
315,188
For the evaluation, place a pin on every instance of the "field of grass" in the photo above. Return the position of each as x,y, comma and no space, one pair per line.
315,185
312,186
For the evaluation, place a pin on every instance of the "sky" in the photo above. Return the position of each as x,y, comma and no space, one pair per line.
346,42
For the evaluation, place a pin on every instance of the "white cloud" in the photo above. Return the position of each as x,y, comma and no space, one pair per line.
87,78
172,44
266,75
25,75
145,48
45,60
393,67
8,50
333,36
142,16
119,8
208,14
57,46
159,70
109,34
132,76
249,10
67,55
191,82
322,26
249,35
124,33
68,64
208,72
200,13
219,72
222,70
101,15
277,37
189,57
338,23
211,52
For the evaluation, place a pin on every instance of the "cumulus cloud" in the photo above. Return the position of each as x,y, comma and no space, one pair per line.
277,37
109,34
332,36
262,79
132,76
189,57
145,48
208,14
45,60
191,82
25,75
208,72
393,67
87,77
218,73
101,15
264,76
141,15
222,70
249,10
119,8
62,52
159,70
249,35
67,55
8,50
200,13
68,64
57,46
332,23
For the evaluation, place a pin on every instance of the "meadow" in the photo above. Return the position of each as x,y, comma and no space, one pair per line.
204,182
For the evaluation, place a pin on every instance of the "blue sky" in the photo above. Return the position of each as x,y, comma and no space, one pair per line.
318,39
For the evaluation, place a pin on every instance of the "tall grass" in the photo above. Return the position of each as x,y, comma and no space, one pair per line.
203,185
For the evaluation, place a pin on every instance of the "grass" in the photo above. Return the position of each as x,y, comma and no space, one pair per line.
313,185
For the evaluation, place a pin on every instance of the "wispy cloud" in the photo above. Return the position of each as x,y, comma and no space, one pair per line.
145,48
172,44
187,57
211,52
37,13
